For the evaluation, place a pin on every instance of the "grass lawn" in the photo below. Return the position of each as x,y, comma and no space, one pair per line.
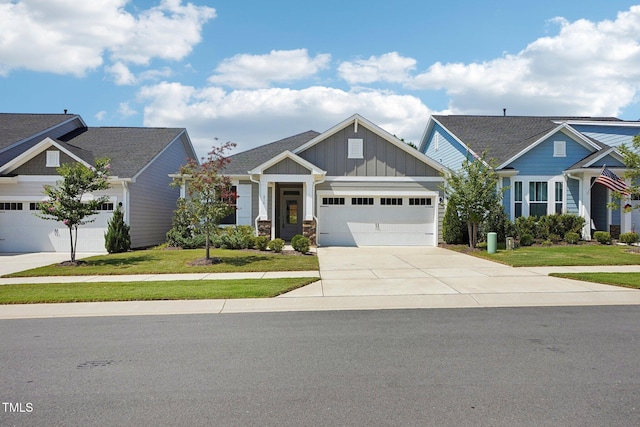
156,261
561,255
143,291
628,280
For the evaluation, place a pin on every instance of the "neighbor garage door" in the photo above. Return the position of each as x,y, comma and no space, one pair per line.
22,231
376,221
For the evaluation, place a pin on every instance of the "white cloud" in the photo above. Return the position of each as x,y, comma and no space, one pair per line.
125,110
255,117
259,71
586,69
122,75
100,115
390,67
74,37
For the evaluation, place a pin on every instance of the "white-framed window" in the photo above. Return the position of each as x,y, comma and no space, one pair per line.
356,148
537,195
391,201
53,158
517,199
559,149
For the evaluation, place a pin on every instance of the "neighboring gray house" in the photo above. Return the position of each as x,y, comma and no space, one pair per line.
32,146
549,164
354,184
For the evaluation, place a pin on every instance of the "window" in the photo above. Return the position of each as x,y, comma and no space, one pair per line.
362,201
559,197
106,206
333,200
34,206
356,149
419,201
53,159
10,206
391,201
537,198
231,218
517,198
559,149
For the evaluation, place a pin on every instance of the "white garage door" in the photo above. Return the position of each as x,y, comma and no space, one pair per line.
376,221
22,231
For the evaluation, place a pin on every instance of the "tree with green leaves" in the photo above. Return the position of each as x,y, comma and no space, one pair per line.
211,197
117,238
71,200
631,159
474,191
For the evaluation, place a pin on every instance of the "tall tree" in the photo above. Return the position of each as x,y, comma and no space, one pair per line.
211,197
117,238
631,158
70,201
474,191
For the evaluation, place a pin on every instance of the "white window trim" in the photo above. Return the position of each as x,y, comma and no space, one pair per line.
526,199
53,158
356,148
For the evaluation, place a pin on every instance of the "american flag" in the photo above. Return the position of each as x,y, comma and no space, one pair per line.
612,182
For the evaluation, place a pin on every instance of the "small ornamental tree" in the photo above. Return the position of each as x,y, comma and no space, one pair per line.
117,238
66,200
451,225
211,197
474,190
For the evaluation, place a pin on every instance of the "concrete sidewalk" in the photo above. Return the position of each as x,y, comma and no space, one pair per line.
367,279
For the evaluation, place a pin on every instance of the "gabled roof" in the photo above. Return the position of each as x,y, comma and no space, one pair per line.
357,120
15,128
242,163
504,137
313,169
130,149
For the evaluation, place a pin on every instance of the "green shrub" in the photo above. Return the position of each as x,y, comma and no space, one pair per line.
276,245
236,237
629,238
262,242
526,225
481,245
295,238
184,233
571,237
603,237
452,226
117,238
301,244
547,242
554,238
526,240
498,222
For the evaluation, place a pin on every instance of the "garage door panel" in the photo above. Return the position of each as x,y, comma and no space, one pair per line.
376,225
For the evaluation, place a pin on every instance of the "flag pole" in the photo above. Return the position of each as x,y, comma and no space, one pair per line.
594,181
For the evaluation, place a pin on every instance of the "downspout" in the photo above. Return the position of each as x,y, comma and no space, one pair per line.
255,221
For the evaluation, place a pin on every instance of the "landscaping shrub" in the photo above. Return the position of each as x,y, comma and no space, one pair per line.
547,242
236,237
276,245
571,237
497,222
262,242
526,240
554,238
526,225
603,237
184,233
117,238
629,238
301,244
294,239
452,226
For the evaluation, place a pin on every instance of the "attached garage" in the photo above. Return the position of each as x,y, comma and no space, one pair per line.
22,231
377,220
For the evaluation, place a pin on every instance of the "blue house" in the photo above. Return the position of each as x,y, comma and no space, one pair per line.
548,164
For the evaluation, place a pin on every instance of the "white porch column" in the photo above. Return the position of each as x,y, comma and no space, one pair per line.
585,206
263,200
308,198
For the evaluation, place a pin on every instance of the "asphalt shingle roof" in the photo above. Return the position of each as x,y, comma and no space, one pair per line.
502,137
130,149
243,162
16,127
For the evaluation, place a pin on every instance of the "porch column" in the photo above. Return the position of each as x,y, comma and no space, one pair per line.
263,200
585,208
308,198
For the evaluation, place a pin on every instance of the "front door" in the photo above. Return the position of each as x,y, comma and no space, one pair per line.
290,213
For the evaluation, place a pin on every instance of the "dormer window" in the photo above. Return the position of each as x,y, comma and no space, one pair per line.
53,159
356,150
559,149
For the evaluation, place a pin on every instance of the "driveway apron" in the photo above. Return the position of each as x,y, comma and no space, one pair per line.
376,271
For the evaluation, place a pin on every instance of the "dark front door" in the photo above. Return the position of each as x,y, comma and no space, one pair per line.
290,214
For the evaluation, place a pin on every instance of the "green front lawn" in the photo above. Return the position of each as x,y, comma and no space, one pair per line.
156,261
142,291
628,280
561,255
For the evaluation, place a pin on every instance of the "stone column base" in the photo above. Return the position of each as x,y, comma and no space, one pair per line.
264,228
309,231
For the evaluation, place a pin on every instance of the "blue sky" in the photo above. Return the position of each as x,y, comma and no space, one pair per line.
253,72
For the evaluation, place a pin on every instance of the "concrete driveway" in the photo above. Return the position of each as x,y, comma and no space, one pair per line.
401,271
14,262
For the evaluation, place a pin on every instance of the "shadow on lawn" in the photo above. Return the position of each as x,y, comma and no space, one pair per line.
245,260
119,262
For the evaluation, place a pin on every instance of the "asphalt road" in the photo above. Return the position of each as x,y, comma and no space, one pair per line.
457,367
